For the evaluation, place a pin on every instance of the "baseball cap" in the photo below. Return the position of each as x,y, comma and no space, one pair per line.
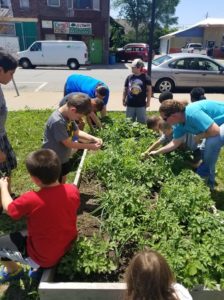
137,63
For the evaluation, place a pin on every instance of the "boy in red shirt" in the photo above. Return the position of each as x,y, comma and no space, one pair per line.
51,216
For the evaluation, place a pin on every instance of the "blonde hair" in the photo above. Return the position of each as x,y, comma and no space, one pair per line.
149,277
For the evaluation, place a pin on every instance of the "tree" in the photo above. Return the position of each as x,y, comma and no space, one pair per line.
138,14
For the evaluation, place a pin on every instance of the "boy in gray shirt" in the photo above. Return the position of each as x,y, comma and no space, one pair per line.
8,65
62,134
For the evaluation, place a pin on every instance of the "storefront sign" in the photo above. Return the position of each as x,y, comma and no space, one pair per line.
73,28
46,24
61,27
7,29
80,28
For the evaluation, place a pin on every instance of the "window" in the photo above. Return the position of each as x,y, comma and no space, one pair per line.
36,47
84,4
55,3
96,4
24,3
70,4
208,65
4,4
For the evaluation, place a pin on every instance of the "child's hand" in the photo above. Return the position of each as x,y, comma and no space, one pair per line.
153,153
4,182
144,155
95,146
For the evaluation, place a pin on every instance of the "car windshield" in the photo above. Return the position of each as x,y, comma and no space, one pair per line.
160,60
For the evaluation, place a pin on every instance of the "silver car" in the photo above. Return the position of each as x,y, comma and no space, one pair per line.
186,70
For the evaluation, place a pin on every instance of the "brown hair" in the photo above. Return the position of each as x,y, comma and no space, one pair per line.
149,277
81,102
153,121
99,104
170,107
102,90
164,126
45,165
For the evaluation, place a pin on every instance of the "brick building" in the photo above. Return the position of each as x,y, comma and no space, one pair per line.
85,20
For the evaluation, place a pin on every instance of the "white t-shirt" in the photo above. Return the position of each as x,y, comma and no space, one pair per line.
182,292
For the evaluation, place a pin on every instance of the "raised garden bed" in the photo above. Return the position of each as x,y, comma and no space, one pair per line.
158,204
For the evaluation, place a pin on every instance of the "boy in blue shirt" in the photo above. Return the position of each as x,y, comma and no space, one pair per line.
85,84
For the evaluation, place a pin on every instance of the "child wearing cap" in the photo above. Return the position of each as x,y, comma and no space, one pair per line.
137,92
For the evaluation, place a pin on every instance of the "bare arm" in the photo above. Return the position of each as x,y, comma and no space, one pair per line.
5,196
125,92
213,130
151,148
93,118
89,141
174,144
148,94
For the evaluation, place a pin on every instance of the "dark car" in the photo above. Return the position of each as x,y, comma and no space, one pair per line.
132,51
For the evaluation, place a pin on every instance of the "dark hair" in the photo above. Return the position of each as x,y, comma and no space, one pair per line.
45,165
149,277
170,107
102,90
151,122
7,61
165,96
99,104
81,102
197,94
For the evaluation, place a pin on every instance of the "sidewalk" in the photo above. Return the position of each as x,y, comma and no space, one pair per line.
44,100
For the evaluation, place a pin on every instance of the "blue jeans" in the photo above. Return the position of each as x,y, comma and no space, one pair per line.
213,146
136,114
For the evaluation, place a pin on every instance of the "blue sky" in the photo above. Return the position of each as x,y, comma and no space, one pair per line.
192,11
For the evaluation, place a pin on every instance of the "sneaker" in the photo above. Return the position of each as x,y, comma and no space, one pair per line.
35,273
7,277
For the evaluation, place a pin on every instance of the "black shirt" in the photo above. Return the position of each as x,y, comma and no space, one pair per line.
136,89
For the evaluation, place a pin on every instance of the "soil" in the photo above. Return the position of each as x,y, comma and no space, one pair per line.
88,224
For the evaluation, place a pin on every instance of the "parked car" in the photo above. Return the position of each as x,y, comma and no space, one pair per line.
132,51
54,53
186,70
194,48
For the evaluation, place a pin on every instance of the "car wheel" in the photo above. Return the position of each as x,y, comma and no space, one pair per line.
165,85
25,63
73,64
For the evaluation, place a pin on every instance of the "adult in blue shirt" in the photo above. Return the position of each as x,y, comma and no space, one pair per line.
88,85
204,119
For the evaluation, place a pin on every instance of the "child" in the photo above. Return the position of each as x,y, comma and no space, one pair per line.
165,138
91,86
51,218
61,132
165,96
8,65
92,118
197,94
137,92
149,277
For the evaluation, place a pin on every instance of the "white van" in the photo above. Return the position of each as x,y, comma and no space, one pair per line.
54,53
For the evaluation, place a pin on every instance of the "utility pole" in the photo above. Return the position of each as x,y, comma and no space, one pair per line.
151,34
